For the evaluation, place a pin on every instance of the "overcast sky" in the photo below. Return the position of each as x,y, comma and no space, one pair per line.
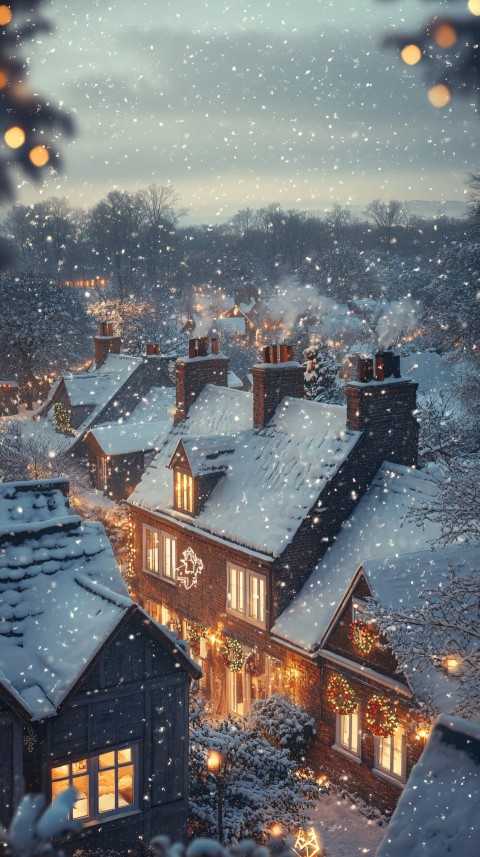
245,102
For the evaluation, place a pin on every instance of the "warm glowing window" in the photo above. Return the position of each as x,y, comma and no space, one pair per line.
183,491
159,553
390,754
348,732
105,783
246,594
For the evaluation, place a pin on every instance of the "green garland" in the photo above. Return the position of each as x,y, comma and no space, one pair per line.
251,663
362,637
61,419
340,695
381,716
232,654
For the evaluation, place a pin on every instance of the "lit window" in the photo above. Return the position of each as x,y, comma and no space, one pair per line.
246,594
105,783
184,491
159,553
348,733
391,753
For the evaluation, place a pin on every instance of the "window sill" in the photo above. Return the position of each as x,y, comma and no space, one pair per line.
354,757
246,619
160,577
389,778
110,816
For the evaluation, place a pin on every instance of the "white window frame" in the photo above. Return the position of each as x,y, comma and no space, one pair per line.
347,748
166,554
240,591
388,772
93,773
231,680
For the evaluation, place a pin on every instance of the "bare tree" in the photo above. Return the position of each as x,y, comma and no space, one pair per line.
446,623
456,505
386,215
28,454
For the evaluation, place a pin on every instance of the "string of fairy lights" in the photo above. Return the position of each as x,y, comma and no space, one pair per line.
28,123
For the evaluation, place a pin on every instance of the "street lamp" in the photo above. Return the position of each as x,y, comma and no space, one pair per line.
214,765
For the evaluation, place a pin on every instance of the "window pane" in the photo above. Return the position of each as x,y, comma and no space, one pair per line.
398,752
124,755
106,790
354,731
125,786
151,550
61,772
385,752
106,760
81,807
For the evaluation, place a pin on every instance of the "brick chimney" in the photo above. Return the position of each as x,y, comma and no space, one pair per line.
106,342
197,370
383,405
277,377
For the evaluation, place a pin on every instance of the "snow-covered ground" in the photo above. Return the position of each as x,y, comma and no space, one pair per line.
343,830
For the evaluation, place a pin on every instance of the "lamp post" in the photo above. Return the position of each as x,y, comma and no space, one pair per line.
214,765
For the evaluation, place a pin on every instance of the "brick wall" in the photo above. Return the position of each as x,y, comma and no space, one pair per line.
192,376
105,345
272,382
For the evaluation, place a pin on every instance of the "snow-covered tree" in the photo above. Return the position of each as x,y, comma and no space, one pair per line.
43,329
31,454
445,624
452,311
35,824
259,783
456,505
446,428
283,723
321,377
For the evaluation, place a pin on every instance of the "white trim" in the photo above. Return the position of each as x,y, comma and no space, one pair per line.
387,773
366,672
161,549
245,614
348,753
356,754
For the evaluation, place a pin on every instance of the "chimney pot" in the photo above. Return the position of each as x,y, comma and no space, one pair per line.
284,353
192,347
266,354
214,345
150,349
202,346
365,369
110,329
396,366
273,354
379,367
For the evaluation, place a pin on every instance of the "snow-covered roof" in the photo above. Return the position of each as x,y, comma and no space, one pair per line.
155,406
97,386
274,475
61,595
437,813
208,454
123,438
236,324
376,529
234,381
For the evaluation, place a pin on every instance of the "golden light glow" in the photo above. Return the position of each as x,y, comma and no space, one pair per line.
307,843
445,36
5,15
14,137
39,156
3,80
451,662
214,761
276,830
474,7
439,95
411,54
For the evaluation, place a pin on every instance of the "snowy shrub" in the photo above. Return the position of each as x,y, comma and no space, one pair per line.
35,824
259,783
282,723
277,847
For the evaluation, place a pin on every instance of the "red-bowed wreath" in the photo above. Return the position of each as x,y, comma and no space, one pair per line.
381,716
340,695
196,631
362,637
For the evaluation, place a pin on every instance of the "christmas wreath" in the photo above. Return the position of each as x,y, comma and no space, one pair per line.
251,663
232,654
340,695
362,637
196,631
381,716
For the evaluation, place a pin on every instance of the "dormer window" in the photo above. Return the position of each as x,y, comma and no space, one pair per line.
184,491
